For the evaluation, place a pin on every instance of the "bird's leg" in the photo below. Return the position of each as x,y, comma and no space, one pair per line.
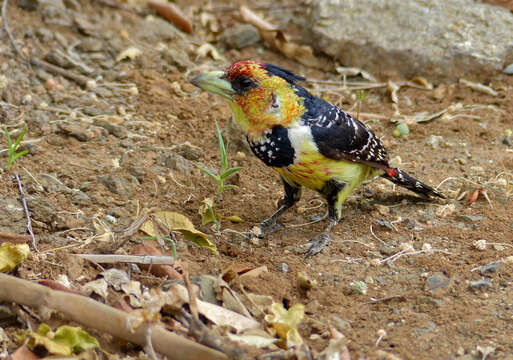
292,196
335,193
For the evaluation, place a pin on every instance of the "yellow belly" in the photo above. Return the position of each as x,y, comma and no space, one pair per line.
314,170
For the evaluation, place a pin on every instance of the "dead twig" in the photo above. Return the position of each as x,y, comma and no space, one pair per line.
14,238
8,31
135,259
171,13
27,212
103,318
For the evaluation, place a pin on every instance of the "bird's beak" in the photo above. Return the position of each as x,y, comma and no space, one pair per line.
214,82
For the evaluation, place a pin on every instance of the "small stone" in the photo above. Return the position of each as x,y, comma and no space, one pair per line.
80,198
481,284
490,268
427,328
189,151
355,288
436,282
283,267
509,69
470,218
41,209
44,35
507,140
304,282
75,130
53,58
240,36
113,129
342,325
116,185
138,173
434,141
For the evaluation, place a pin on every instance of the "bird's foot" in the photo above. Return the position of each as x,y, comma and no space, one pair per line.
318,244
263,229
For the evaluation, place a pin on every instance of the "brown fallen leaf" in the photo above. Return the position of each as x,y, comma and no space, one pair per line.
239,270
171,13
279,40
160,270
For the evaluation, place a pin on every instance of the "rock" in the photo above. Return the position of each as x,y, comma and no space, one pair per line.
240,36
434,141
490,268
177,58
54,12
355,288
189,151
75,130
42,210
117,185
118,131
90,45
508,70
507,140
44,35
138,173
235,137
342,325
283,267
437,282
177,162
427,328
470,218
457,37
28,5
481,284
80,198
156,30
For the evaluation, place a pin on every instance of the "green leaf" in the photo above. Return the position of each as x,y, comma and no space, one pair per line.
8,136
18,155
208,172
20,137
78,339
229,172
229,187
222,149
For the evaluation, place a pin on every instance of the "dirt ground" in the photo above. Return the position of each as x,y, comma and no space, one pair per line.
107,153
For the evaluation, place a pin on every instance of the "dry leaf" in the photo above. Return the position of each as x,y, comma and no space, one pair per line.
279,40
285,322
177,222
12,255
479,87
209,49
161,270
254,337
171,13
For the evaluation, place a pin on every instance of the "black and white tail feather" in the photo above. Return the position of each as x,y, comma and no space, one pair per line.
401,178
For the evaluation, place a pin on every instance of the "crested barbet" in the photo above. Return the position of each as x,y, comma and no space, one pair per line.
307,140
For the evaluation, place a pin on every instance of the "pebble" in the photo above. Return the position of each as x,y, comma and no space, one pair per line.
434,141
189,151
509,69
240,36
116,185
75,130
470,218
342,325
113,129
490,268
436,282
41,209
427,328
481,284
53,58
283,267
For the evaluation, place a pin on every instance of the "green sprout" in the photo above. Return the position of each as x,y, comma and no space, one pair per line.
13,155
225,171
168,239
361,97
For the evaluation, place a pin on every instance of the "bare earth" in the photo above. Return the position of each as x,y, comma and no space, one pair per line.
424,300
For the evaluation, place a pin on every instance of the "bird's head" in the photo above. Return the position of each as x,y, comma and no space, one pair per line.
261,95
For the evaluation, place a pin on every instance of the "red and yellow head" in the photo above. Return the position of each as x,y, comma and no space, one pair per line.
261,95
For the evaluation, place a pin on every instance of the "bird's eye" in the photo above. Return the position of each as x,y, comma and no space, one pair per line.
241,84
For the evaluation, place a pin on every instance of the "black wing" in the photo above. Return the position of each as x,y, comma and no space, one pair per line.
339,136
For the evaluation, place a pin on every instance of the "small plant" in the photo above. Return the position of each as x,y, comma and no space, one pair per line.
13,155
361,97
225,171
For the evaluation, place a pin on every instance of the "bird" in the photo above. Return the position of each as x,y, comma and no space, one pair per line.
308,141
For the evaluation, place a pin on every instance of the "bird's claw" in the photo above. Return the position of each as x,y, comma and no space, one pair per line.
318,244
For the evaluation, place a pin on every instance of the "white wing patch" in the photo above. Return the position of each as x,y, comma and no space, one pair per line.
301,140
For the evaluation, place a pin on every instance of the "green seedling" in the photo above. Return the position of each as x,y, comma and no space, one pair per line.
13,155
225,171
361,97
171,241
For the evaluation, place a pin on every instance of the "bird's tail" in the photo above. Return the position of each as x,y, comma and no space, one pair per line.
401,178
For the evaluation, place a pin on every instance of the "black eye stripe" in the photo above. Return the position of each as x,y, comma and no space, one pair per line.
241,84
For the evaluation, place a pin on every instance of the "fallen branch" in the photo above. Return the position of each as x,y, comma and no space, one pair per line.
103,318
26,210
14,238
136,259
